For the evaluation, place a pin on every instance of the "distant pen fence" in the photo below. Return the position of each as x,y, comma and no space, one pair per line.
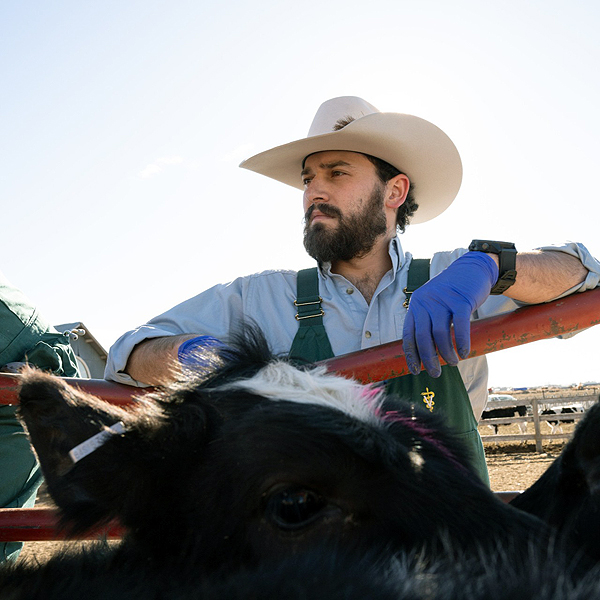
536,403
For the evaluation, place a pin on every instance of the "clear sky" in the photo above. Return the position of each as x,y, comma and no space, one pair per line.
123,122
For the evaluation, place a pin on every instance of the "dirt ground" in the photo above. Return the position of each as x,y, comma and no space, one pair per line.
512,466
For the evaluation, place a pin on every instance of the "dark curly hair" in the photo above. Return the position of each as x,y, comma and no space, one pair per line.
385,172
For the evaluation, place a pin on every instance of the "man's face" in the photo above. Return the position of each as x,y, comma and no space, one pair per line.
343,205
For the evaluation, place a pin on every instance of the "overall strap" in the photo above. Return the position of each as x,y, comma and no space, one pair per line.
418,274
311,342
308,302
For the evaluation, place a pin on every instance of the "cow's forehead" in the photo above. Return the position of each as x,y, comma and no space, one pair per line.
281,381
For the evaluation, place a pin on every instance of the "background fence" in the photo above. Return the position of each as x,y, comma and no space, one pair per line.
536,403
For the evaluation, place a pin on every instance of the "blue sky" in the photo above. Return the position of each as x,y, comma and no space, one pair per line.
123,124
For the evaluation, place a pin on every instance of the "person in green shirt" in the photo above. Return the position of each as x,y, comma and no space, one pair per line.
25,338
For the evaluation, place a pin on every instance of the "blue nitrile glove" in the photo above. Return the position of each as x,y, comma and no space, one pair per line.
449,298
189,352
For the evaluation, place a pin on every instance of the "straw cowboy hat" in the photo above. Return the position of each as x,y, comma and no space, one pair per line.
414,146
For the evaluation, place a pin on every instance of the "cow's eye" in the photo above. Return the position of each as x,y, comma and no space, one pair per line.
295,508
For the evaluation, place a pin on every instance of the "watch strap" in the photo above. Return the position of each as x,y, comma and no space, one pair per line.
507,258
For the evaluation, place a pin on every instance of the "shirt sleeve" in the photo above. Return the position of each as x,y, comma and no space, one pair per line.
264,298
587,260
210,312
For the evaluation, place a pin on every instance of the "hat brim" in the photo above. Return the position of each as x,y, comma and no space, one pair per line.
413,145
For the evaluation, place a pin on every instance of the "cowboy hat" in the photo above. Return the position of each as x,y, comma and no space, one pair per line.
414,146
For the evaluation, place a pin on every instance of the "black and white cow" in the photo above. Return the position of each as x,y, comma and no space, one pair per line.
556,425
518,410
261,480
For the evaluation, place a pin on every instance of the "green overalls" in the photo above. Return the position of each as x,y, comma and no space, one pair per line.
446,393
24,337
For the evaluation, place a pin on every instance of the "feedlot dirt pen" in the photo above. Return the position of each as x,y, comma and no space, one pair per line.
512,466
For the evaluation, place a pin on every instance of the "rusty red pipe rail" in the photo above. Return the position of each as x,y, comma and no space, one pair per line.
41,525
522,326
115,393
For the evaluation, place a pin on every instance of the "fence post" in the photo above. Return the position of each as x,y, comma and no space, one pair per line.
536,424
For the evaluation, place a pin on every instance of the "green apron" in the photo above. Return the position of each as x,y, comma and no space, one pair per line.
24,337
445,394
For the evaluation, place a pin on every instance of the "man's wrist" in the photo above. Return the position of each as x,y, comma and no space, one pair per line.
505,256
199,351
153,361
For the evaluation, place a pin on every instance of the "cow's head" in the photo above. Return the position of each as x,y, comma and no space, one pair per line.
257,460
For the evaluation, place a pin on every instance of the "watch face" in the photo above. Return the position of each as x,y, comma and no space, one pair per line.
489,247
493,246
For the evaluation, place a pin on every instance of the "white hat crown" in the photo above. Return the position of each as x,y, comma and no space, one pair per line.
331,112
413,145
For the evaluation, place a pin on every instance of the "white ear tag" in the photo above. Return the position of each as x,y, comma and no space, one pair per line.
93,443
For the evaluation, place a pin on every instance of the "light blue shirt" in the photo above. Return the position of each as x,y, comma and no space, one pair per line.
351,323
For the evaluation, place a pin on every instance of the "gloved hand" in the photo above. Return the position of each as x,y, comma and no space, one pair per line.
190,352
449,298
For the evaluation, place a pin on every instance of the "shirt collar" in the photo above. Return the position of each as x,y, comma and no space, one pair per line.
395,252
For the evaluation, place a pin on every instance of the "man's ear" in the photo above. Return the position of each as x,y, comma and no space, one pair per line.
396,191
100,482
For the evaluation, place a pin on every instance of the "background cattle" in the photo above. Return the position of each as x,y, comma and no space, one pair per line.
556,426
516,410
260,472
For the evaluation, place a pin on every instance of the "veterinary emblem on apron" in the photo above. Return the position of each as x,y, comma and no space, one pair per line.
428,399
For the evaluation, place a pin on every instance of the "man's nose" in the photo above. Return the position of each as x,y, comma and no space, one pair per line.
316,191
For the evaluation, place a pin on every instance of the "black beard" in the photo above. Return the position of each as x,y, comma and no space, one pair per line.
354,236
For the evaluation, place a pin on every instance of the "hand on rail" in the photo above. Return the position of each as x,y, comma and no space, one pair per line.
445,300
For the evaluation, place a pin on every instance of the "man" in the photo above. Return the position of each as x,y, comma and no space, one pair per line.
365,174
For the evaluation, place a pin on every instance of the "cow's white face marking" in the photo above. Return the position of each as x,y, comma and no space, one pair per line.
281,381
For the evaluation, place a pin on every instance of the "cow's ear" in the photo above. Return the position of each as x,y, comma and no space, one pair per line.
91,452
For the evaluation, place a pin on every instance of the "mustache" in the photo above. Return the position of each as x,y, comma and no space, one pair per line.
326,209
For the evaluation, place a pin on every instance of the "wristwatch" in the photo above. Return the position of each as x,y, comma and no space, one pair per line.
507,255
